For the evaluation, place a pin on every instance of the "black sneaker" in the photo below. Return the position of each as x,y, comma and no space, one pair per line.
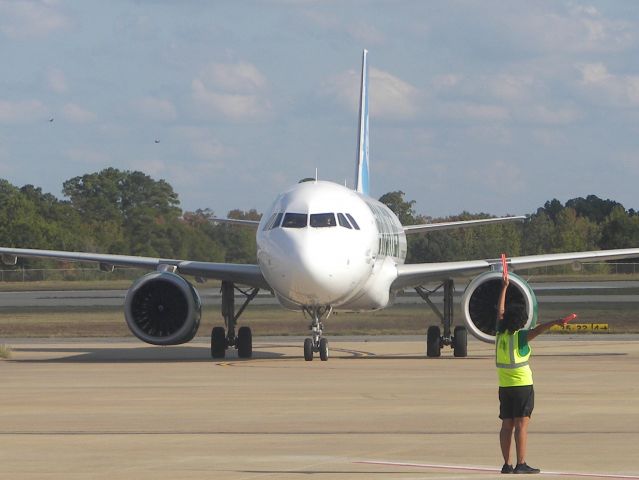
507,468
524,468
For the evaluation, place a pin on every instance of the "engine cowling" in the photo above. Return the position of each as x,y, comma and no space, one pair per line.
479,303
162,308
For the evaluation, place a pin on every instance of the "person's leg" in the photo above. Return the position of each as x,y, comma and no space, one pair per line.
505,438
521,436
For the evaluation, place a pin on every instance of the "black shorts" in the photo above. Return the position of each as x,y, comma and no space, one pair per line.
516,402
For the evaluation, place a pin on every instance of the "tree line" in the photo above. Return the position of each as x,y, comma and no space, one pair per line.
128,212
580,224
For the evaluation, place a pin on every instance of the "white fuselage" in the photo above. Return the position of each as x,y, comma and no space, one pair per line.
322,244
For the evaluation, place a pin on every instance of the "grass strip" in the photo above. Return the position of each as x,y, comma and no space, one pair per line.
272,320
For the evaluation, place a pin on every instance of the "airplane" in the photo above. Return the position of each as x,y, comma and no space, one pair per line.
323,247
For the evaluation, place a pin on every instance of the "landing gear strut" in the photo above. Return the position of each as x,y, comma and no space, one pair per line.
221,339
435,341
316,343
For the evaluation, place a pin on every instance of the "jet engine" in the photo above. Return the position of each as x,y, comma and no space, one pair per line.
162,308
480,299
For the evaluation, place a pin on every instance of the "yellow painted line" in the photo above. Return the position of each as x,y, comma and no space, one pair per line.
582,327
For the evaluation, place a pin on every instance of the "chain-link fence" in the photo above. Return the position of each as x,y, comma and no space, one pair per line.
67,274
588,268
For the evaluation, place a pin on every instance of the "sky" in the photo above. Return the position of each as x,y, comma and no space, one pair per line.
479,106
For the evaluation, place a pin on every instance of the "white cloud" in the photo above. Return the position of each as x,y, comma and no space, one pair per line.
475,111
511,87
594,73
22,111
549,137
617,90
551,115
362,32
156,108
233,106
76,114
56,81
204,145
494,133
366,34
239,77
236,91
580,29
447,81
31,18
501,97
152,167
507,179
393,96
389,96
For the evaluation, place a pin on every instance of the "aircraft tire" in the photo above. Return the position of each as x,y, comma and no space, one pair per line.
433,343
308,350
218,342
323,349
244,342
460,342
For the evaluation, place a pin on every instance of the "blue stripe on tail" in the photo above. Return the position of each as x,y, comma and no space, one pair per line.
362,184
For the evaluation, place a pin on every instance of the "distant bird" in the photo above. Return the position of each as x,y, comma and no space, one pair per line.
51,120
157,141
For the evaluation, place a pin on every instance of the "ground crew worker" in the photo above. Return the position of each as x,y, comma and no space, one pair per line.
516,393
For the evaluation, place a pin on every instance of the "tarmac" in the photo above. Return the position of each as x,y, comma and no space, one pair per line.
78,409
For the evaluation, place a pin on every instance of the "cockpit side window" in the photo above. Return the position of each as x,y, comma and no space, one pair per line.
268,225
320,220
342,221
278,220
295,220
274,221
353,222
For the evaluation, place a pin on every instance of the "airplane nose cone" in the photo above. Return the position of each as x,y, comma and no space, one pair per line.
312,272
320,278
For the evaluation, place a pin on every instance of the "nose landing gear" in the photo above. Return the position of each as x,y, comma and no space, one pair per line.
316,344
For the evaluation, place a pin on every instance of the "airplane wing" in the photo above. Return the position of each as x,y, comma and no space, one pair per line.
235,221
413,275
409,229
249,275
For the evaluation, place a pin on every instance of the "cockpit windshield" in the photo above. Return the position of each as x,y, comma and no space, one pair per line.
295,220
317,220
320,220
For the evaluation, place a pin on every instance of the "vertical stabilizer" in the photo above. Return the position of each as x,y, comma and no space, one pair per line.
361,168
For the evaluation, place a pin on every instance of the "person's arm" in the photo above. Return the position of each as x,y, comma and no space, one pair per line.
501,305
546,326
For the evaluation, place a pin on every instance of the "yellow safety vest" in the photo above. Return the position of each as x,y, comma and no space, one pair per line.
512,367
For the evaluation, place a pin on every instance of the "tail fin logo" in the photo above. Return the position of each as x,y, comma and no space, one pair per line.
362,167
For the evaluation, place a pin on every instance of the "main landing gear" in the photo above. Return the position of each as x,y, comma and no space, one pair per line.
435,341
221,339
316,344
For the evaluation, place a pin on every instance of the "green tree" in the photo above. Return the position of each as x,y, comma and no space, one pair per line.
129,211
593,208
239,242
538,234
573,233
620,230
400,207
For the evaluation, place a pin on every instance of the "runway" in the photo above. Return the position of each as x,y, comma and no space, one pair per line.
122,409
